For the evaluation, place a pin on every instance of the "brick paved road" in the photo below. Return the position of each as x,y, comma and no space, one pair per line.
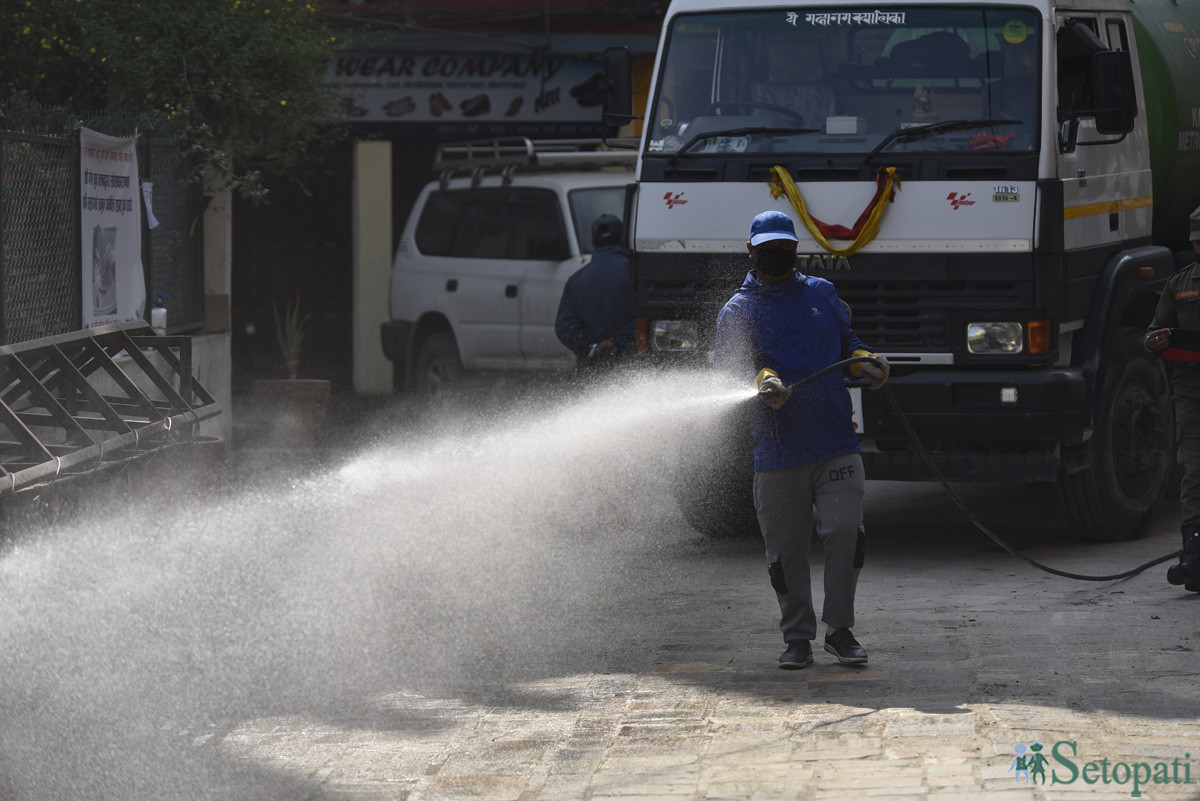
664,684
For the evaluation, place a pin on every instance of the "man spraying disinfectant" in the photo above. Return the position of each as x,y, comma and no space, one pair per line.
778,328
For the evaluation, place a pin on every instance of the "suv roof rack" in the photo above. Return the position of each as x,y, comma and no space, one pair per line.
521,153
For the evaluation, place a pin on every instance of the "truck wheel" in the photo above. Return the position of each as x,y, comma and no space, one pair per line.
438,369
714,479
1116,495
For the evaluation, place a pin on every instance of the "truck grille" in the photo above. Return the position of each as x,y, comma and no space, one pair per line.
915,316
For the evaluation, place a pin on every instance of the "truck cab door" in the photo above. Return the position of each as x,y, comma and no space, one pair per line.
1103,157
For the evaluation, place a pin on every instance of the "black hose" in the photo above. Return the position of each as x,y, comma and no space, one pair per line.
830,369
958,501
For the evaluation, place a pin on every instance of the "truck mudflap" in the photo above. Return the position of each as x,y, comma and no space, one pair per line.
1006,427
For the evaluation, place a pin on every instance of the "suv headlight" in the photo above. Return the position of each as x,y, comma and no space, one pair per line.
675,335
992,338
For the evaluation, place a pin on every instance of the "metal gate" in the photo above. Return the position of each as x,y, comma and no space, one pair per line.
76,404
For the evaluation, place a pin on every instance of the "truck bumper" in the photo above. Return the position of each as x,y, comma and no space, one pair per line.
1001,427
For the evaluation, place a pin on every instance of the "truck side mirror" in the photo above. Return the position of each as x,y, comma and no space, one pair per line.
1112,92
618,87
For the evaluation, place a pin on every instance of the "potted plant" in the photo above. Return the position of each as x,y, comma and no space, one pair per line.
293,408
290,334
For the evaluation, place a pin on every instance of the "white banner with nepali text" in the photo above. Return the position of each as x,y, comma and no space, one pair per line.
114,286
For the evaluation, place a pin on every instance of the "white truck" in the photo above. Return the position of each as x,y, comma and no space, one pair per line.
1012,181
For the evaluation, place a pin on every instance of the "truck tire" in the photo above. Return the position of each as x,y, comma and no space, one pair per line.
714,479
437,369
1116,496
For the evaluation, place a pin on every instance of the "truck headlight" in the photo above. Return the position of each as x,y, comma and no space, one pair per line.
991,338
675,335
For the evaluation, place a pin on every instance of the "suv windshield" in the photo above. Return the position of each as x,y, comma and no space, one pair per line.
849,80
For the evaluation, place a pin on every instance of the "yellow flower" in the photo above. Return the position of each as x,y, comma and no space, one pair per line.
283,102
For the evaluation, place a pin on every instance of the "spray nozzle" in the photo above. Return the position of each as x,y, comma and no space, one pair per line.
158,304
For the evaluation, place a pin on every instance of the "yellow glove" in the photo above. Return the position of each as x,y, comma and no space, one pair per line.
875,371
771,389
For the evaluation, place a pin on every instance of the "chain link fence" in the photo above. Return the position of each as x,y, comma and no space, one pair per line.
40,239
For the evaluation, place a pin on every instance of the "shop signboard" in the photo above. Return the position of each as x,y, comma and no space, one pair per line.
473,94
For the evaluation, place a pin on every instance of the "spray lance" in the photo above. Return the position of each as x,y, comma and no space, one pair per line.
937,473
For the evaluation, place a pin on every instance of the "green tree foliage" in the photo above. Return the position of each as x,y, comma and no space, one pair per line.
241,81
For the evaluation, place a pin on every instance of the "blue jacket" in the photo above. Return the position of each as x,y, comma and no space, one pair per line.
597,303
796,328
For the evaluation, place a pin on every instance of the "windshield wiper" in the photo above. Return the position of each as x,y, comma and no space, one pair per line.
700,137
932,129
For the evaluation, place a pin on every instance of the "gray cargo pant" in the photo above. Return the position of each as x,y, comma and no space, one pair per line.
785,500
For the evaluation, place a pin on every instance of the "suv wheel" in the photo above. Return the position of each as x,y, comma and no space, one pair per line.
438,369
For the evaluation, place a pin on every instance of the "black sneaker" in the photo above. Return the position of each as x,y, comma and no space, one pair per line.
842,644
798,655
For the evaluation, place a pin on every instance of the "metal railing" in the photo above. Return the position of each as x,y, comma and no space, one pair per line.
79,404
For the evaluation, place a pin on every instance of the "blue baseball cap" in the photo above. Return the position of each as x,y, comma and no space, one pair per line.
771,225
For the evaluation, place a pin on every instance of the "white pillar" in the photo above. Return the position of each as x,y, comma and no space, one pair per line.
372,213
211,349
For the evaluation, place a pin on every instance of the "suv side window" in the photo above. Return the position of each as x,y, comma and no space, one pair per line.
537,226
438,223
513,223
483,229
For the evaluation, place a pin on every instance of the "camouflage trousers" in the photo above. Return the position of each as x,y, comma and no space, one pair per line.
1187,437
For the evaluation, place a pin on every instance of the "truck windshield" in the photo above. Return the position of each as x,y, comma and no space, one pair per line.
844,80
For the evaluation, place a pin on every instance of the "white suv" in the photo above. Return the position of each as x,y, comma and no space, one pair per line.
486,251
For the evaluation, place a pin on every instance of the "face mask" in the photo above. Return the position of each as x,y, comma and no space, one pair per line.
775,263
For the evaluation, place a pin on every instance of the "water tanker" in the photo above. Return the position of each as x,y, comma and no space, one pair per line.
1168,43
1030,166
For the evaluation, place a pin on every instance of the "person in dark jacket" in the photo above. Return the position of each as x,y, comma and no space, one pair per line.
778,328
595,315
1179,308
